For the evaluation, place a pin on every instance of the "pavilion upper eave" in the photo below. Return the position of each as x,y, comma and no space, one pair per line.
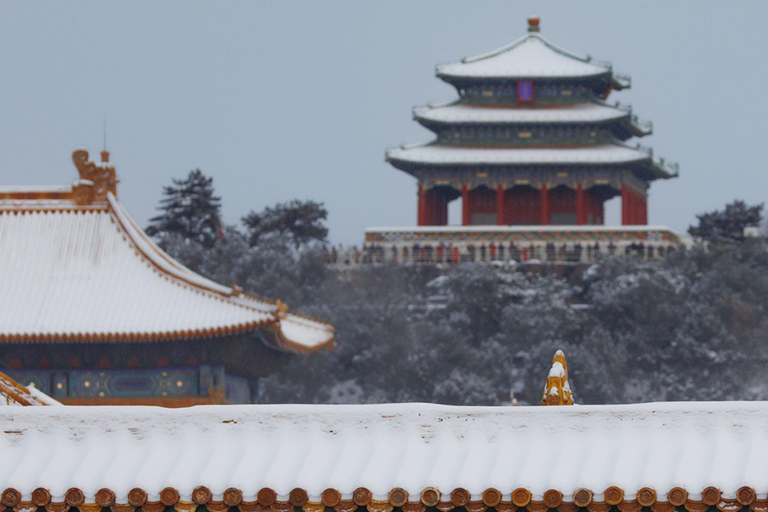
530,57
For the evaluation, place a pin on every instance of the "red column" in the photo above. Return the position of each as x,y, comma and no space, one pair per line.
580,204
441,211
635,208
624,205
632,207
500,205
422,209
643,217
633,204
466,219
544,205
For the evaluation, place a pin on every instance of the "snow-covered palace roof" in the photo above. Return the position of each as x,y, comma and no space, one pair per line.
75,267
410,456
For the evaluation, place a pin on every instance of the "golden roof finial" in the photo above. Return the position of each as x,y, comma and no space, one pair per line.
557,391
282,309
533,24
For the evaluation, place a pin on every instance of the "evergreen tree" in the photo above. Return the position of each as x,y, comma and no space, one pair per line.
190,210
296,222
727,225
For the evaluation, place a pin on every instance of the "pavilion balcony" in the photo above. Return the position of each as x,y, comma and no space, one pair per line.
515,244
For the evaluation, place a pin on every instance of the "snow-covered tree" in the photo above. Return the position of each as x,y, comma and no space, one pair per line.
727,225
190,210
295,222
692,326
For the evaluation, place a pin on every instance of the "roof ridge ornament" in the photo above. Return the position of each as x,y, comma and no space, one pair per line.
533,23
557,391
281,310
96,180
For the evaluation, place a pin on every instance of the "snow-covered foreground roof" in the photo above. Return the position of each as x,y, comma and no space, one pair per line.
531,56
465,113
74,272
392,454
434,154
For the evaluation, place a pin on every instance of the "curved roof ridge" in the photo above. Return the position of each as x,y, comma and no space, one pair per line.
157,256
442,104
165,262
539,58
289,337
497,51
552,46
570,54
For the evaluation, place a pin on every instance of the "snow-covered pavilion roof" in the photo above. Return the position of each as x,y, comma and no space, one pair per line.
82,270
532,56
381,456
421,155
502,114
436,154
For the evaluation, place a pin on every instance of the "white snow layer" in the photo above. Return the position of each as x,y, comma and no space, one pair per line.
380,447
577,113
437,154
95,273
42,397
532,56
76,273
34,189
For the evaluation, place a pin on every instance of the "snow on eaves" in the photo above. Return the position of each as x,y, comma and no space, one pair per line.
463,113
452,155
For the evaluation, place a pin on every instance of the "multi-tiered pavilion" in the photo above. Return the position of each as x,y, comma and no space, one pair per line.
531,142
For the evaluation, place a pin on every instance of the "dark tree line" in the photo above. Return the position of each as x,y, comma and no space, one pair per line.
727,225
691,326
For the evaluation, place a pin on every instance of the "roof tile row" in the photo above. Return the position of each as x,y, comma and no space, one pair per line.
430,497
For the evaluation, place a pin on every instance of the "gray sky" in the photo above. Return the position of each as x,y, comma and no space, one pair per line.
282,100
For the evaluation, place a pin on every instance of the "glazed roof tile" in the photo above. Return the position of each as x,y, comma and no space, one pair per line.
384,455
